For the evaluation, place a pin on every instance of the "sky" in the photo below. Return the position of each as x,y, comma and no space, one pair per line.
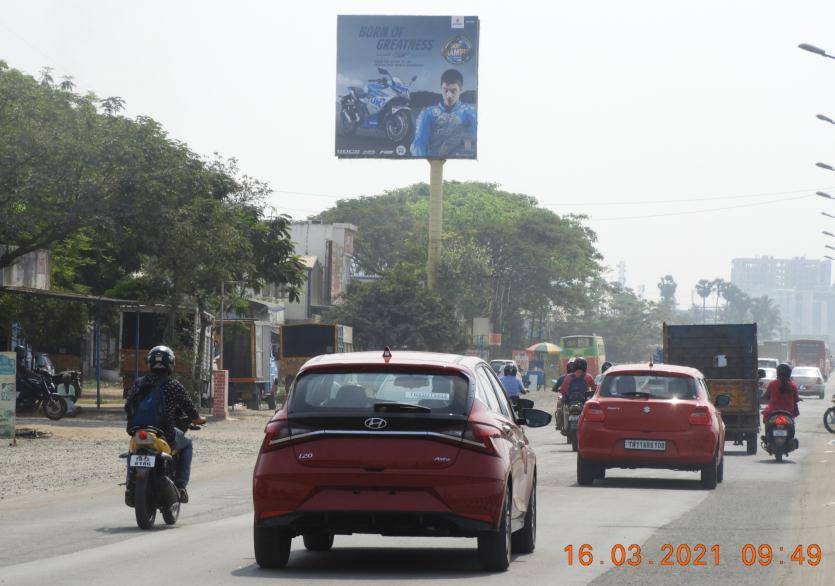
617,110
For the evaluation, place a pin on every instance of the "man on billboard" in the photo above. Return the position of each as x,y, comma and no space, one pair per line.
449,128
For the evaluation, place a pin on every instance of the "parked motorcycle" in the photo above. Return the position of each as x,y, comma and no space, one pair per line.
829,418
36,391
384,104
152,467
779,437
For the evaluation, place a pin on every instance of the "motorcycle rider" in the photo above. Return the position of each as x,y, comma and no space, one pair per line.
569,368
448,128
511,384
575,385
782,393
175,401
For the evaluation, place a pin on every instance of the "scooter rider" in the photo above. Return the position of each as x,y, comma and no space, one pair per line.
575,385
511,384
569,368
782,393
174,399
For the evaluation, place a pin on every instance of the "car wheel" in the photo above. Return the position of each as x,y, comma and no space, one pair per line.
600,472
710,474
751,444
829,420
524,540
720,472
585,472
574,442
318,541
494,546
272,547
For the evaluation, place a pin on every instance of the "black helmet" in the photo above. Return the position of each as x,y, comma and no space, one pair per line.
161,358
510,370
606,366
570,365
581,364
20,351
784,371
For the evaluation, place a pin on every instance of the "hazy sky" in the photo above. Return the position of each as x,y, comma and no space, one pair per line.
588,106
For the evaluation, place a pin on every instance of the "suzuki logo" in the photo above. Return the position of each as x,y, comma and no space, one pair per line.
376,423
646,409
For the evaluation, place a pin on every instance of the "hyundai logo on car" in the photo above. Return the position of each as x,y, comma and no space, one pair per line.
376,423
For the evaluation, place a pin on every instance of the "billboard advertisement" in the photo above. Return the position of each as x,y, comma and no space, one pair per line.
407,87
8,366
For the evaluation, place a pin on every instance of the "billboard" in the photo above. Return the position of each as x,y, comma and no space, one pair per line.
8,366
407,87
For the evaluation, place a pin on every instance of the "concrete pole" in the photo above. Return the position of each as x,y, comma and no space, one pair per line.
436,206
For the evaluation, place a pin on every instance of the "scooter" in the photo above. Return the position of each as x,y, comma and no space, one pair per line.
152,467
571,418
779,437
384,104
829,418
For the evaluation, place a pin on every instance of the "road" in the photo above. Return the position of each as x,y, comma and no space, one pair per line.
89,536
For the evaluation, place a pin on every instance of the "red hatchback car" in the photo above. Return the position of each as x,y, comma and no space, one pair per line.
412,444
652,416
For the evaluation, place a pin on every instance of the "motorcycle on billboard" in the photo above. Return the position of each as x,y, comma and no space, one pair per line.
384,104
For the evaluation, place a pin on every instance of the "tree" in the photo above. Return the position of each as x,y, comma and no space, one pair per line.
767,317
398,311
719,286
667,288
703,289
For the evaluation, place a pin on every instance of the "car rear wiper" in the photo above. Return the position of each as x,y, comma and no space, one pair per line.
642,394
400,408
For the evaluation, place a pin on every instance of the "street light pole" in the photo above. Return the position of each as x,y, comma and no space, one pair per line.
815,50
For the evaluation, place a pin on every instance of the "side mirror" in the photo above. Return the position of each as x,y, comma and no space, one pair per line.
722,401
524,404
760,373
536,417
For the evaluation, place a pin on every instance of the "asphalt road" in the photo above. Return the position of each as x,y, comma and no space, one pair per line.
89,537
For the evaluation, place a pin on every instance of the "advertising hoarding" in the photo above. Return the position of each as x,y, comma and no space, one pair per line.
8,396
407,87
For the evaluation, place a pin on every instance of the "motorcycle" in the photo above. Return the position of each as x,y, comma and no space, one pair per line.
779,437
829,418
36,391
152,467
66,383
571,418
384,104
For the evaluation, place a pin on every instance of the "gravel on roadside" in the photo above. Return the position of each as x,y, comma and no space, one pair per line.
81,452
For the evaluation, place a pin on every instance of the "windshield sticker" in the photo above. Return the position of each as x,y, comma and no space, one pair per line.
427,395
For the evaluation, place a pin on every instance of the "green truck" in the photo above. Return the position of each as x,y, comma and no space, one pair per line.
727,355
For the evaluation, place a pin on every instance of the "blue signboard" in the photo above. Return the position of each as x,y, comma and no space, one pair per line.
407,87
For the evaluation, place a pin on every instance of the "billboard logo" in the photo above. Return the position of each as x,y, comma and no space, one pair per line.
458,50
400,150
457,22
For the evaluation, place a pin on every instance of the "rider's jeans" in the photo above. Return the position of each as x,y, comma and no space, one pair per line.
183,446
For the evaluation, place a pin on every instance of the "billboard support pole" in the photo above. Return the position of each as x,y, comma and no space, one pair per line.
436,206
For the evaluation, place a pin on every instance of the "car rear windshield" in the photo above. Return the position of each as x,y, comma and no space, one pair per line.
805,372
353,392
653,385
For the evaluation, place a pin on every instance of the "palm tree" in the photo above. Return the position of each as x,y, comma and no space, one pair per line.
703,289
766,315
719,286
667,287
738,303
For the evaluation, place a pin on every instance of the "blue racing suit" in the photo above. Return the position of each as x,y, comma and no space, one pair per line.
442,131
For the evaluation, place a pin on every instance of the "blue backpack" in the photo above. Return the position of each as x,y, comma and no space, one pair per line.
150,411
577,389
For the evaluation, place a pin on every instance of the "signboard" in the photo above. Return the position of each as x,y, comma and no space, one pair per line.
407,87
494,339
8,396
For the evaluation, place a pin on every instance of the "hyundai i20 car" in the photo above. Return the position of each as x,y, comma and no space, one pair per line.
652,416
409,444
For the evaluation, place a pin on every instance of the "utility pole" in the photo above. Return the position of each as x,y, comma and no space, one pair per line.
436,208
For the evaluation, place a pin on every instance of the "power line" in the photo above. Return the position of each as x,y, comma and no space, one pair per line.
688,212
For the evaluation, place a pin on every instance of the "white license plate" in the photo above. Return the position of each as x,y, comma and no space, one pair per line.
780,432
802,387
652,445
140,461
573,417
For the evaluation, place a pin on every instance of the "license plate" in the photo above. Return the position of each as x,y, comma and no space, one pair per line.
573,417
780,432
652,445
802,387
140,461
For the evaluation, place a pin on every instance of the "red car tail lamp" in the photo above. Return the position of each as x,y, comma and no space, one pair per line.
781,420
477,437
279,434
700,416
593,412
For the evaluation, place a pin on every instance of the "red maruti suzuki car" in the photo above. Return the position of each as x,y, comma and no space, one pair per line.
411,444
652,416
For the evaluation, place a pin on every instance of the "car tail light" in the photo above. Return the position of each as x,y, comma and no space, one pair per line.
479,437
700,416
781,420
593,412
280,433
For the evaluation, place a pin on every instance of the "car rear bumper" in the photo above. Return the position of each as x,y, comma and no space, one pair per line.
391,523
472,490
685,450
811,389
